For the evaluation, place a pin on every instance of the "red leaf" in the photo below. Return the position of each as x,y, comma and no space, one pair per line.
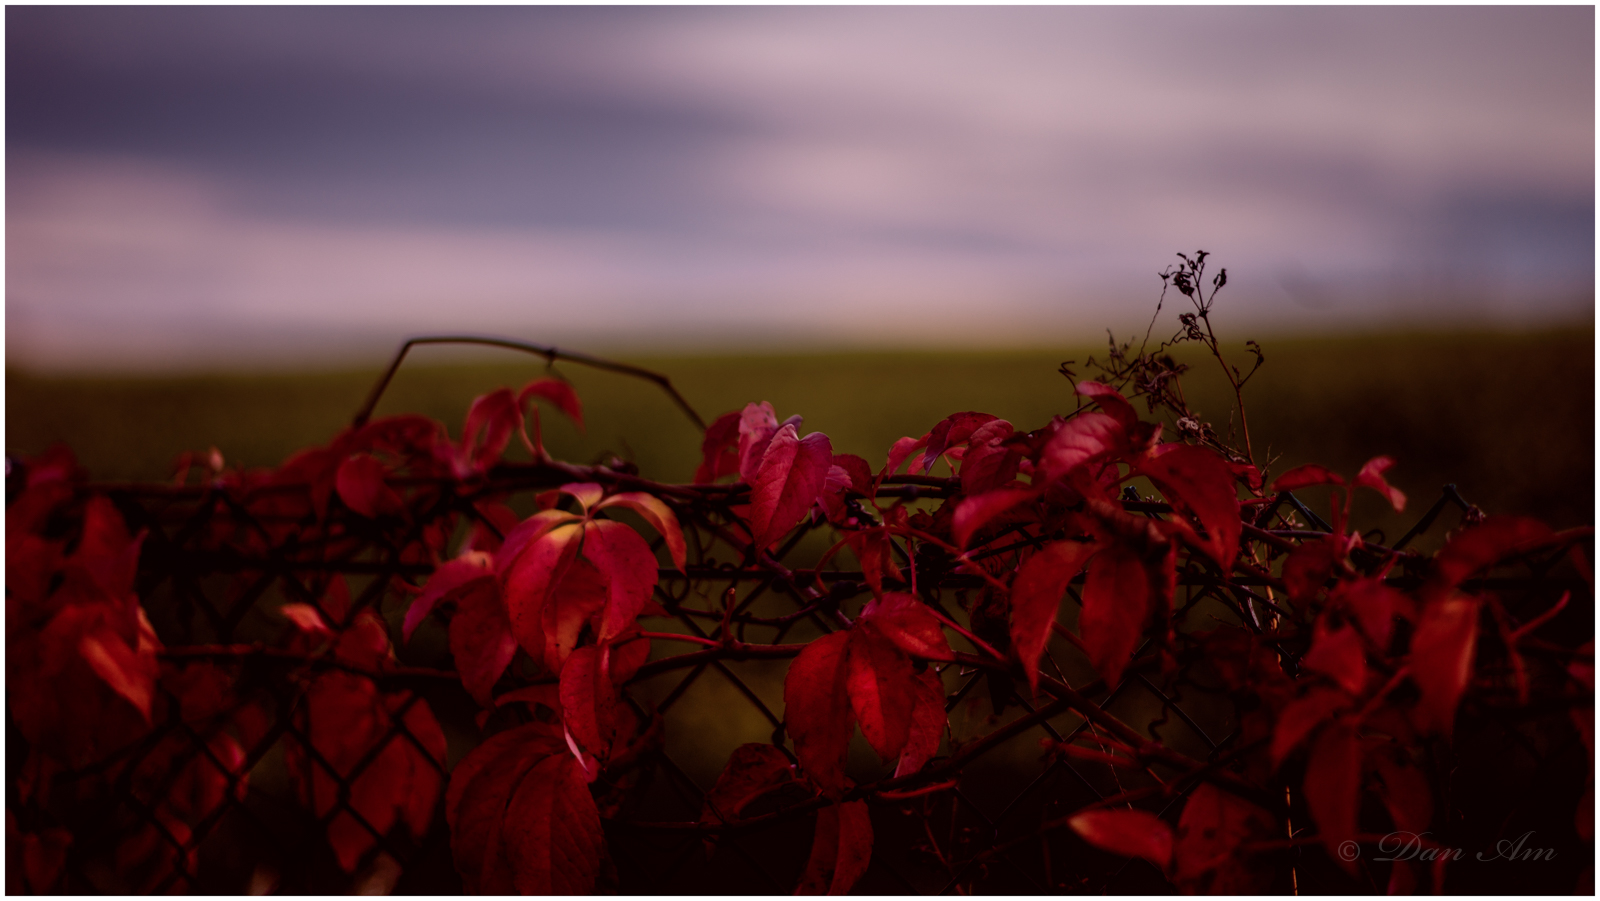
978,510
347,720
1308,567
1476,547
627,656
497,415
757,425
907,622
1200,481
752,771
360,483
557,392
1333,786
817,710
1405,792
130,672
872,548
1117,601
1305,476
588,701
1110,401
719,450
928,721
628,569
552,833
105,551
659,516
951,431
1205,855
1036,597
989,462
900,450
307,619
1441,661
1080,439
1373,604
1338,654
449,582
475,805
1300,718
496,521
1130,833
480,639
530,530
879,683
1371,476
858,470
791,474
840,851
531,583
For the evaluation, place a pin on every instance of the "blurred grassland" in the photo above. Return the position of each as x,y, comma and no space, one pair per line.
1507,417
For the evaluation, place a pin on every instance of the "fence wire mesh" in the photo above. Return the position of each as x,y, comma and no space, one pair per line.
235,789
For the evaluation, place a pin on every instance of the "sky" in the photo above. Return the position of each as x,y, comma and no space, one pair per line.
227,186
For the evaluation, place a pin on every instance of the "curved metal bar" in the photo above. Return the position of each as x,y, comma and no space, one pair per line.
550,354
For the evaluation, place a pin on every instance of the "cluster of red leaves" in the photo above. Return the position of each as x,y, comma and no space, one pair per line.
1340,677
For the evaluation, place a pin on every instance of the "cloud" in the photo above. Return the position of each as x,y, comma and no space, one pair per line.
779,174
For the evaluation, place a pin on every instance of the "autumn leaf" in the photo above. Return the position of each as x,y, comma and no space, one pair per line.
659,516
556,392
1308,567
879,683
989,462
909,624
928,720
448,583
1441,661
1338,654
1085,437
627,569
1406,794
899,452
873,548
752,771
1371,476
1036,596
976,511
757,424
1300,718
1476,547
589,700
1205,856
475,804
480,639
491,421
1117,602
817,709
719,449
1195,479
1306,476
1333,787
1130,833
791,475
840,850
1110,401
361,485
952,431
552,833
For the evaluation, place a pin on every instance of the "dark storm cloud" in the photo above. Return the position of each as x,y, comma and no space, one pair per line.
641,174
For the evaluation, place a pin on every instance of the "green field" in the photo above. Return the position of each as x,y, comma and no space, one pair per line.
1508,417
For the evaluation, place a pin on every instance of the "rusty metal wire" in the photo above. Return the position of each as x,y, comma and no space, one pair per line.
216,567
